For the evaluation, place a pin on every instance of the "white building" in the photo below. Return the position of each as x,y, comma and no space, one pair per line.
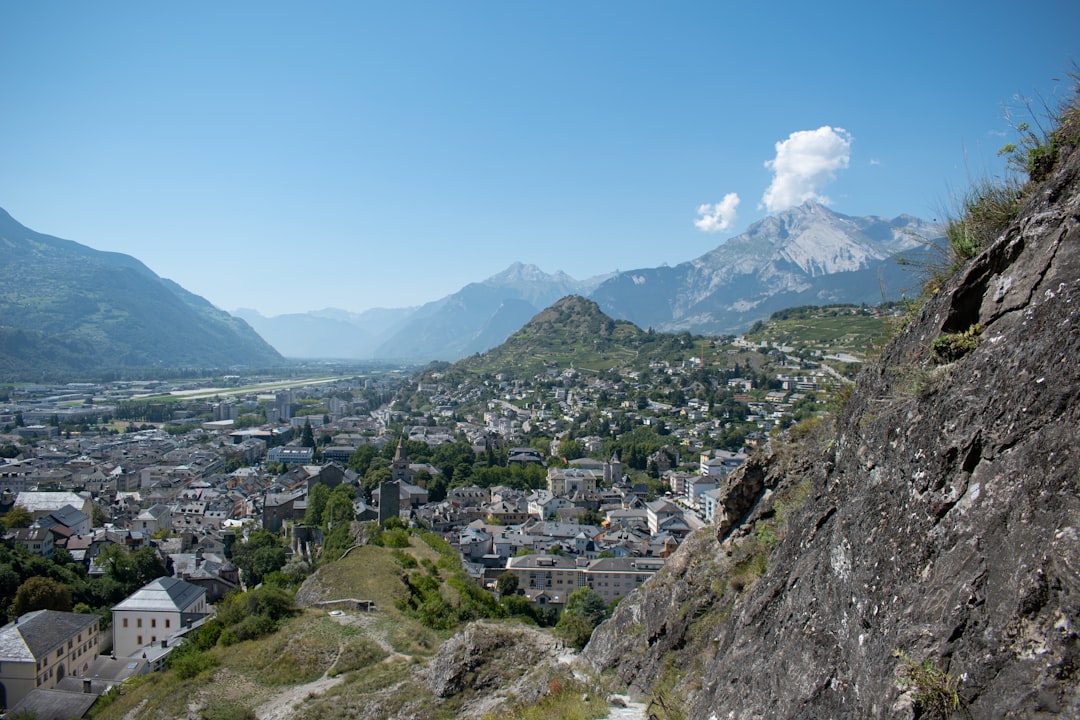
155,612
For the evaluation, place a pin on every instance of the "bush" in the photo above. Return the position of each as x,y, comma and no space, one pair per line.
934,691
985,212
360,653
405,560
395,538
227,710
190,664
950,347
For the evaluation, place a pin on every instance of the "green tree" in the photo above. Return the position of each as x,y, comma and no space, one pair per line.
41,593
571,449
339,507
17,517
507,584
266,560
307,435
244,554
317,498
585,609
361,459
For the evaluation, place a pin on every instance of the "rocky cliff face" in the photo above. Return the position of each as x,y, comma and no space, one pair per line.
941,523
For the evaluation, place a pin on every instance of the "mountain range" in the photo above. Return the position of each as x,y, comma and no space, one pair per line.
808,255
67,308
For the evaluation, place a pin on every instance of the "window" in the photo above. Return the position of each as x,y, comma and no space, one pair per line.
125,622
138,640
153,622
168,622
138,622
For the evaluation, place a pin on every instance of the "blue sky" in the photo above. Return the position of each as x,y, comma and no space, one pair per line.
295,156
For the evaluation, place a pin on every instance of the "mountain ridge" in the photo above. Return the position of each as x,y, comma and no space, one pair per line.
808,255
61,295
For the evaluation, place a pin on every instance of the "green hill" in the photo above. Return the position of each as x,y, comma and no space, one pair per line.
572,333
67,309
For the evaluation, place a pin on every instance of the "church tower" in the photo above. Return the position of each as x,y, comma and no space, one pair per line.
613,470
399,468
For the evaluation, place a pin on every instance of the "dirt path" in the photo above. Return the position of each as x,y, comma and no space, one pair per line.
283,705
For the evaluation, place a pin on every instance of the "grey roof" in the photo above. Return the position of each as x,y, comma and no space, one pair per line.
69,516
166,594
36,633
48,501
43,704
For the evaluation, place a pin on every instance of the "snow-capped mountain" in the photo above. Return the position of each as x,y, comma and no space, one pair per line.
808,255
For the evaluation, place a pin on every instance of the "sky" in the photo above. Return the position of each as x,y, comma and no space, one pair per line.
288,156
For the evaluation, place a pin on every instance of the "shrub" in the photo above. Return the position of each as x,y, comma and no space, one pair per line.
950,347
227,710
395,538
934,691
191,664
985,212
405,560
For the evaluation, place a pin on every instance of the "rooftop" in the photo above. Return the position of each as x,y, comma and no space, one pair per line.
36,633
166,594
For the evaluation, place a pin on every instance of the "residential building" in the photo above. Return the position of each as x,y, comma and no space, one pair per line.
155,612
549,579
37,541
659,512
155,518
43,647
291,455
614,578
546,579
40,504
567,481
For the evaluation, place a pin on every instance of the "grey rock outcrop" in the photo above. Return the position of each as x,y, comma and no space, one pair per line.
942,521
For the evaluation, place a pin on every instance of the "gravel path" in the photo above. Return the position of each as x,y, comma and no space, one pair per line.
283,706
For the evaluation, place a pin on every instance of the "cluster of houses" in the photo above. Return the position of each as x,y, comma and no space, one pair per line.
187,496
54,664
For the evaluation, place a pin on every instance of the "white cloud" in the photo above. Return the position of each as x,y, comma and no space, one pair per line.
806,162
719,216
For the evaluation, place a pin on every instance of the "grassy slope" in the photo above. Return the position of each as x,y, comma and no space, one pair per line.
253,672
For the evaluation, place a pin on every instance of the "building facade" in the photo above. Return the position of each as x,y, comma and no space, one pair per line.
41,648
155,612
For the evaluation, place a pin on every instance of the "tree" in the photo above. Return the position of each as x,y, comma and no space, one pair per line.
98,515
307,436
18,517
317,498
244,554
339,507
266,560
585,609
361,459
507,584
41,593
571,449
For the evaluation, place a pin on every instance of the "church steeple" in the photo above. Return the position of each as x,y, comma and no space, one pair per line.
399,468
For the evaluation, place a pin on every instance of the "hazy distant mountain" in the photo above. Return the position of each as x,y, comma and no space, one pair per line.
329,333
67,308
808,255
480,315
